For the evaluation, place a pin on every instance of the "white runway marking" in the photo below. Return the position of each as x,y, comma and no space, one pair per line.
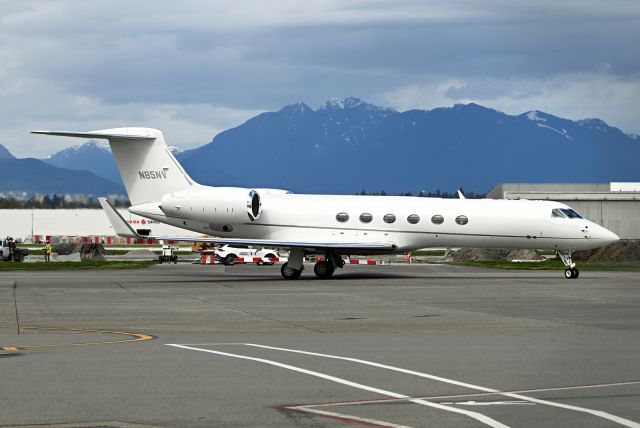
488,403
487,394
489,391
477,416
598,413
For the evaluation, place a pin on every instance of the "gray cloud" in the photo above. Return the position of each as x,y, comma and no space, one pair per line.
170,65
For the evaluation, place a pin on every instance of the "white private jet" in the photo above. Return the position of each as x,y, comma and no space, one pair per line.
333,226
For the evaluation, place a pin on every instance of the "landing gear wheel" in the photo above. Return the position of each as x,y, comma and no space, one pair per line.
290,273
571,273
230,260
323,270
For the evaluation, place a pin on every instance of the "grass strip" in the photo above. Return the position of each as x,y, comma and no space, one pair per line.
553,265
128,264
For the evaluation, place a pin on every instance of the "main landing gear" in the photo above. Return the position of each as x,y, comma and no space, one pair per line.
288,272
571,271
292,269
323,270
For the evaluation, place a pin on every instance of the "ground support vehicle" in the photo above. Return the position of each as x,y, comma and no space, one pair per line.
228,255
9,251
169,254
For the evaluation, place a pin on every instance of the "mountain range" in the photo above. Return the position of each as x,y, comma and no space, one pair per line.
94,156
348,145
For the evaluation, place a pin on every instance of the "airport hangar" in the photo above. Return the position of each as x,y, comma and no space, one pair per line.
615,205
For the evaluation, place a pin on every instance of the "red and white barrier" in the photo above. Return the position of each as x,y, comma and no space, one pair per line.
210,259
363,262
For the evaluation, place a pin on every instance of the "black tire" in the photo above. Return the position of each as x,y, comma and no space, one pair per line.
576,273
568,273
323,270
230,260
260,262
289,273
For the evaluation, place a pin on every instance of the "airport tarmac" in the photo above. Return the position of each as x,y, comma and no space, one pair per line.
399,345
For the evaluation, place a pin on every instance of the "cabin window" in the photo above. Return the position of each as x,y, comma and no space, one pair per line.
462,219
413,218
570,213
389,218
437,219
557,213
366,217
342,217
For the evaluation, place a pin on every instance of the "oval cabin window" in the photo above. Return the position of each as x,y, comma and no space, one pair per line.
342,217
413,218
437,219
462,219
366,217
389,218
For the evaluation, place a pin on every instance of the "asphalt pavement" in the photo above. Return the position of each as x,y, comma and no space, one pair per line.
400,345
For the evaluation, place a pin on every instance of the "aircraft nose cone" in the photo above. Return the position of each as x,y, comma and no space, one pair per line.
607,236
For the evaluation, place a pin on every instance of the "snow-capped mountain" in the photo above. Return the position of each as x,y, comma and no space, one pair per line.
94,156
347,145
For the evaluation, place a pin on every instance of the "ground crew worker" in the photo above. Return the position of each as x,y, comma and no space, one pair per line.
12,248
47,252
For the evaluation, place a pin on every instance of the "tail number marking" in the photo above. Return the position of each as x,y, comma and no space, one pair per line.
153,175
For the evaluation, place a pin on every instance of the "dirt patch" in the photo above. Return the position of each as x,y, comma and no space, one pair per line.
493,254
524,255
139,254
621,251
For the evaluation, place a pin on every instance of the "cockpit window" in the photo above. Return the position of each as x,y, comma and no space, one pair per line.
570,213
557,213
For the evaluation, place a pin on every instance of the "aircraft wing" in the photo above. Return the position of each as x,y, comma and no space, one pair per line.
122,228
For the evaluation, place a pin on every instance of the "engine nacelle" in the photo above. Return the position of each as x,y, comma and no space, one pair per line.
220,207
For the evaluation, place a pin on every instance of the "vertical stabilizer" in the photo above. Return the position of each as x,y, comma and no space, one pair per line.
147,167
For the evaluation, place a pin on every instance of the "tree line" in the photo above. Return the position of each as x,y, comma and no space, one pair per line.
56,201
429,194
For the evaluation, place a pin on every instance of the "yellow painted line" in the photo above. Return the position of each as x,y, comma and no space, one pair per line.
133,337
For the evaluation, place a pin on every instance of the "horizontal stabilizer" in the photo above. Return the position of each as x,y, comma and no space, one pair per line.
134,134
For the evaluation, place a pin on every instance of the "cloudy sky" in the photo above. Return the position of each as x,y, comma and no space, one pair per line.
194,68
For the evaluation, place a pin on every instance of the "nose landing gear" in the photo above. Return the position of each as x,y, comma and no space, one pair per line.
571,271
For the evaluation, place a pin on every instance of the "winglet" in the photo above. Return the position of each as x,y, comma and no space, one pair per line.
119,224
460,195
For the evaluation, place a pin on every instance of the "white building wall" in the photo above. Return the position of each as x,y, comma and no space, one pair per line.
19,223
